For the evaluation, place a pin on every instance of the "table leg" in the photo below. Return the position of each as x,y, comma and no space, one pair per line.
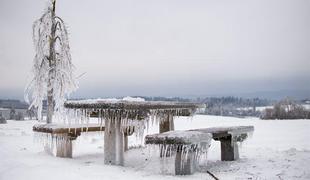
113,143
164,126
167,124
125,142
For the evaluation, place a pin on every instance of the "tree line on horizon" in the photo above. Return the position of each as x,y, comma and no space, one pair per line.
286,109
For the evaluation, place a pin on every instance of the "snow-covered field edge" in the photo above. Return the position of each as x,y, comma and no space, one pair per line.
277,150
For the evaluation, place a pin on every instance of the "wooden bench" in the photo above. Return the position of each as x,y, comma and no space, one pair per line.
228,136
65,134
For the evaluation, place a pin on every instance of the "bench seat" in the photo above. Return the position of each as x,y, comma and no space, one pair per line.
228,136
73,129
65,134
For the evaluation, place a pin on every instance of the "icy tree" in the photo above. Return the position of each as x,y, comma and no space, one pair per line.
52,70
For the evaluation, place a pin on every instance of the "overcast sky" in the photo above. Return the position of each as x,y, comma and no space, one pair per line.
167,47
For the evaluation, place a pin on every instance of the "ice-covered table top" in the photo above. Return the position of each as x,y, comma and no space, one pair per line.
129,104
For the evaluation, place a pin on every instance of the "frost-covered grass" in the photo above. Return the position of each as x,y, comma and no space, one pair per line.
277,150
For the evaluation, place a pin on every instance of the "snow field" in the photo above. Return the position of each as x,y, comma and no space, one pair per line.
277,150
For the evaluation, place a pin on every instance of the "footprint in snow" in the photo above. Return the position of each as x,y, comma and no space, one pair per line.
88,162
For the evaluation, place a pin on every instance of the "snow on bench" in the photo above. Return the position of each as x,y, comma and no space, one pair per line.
198,140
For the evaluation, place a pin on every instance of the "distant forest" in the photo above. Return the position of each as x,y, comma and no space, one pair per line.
220,106
242,107
223,106
234,106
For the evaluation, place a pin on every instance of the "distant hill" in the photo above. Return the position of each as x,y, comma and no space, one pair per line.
270,95
11,103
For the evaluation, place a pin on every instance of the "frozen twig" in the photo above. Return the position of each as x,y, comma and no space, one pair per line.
212,175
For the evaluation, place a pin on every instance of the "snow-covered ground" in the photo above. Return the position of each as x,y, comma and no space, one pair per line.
277,150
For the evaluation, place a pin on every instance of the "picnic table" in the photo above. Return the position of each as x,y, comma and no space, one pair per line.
120,114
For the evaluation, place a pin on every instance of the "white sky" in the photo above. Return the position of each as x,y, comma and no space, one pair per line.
167,47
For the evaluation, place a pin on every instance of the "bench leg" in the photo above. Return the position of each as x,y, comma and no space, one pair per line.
186,166
48,149
113,143
64,147
229,149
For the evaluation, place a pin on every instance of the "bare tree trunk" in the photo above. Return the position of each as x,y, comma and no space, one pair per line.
52,64
51,73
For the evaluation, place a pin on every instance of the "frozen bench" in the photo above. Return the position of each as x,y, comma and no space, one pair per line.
228,136
65,134
186,145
